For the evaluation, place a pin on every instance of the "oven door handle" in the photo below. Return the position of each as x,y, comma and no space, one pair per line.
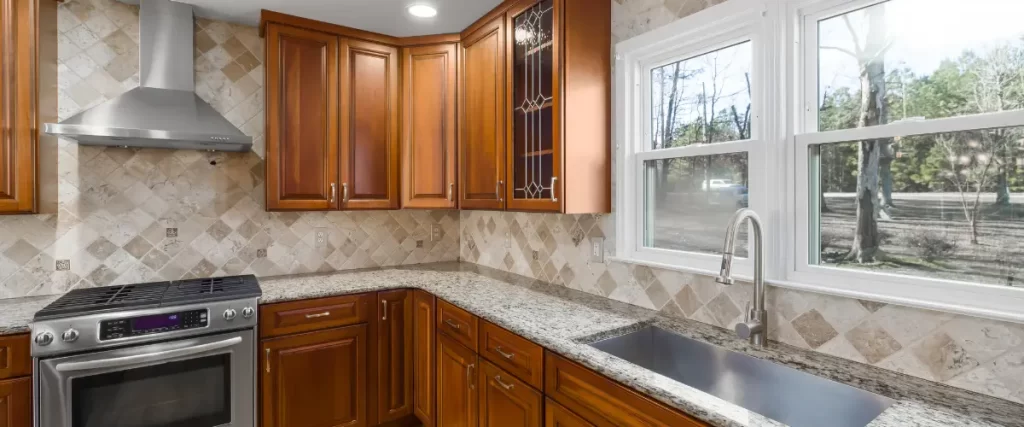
148,357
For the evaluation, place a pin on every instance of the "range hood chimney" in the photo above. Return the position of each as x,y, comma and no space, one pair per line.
164,111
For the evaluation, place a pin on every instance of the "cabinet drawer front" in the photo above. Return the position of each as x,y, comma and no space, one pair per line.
506,401
556,415
310,315
457,323
15,360
513,353
604,402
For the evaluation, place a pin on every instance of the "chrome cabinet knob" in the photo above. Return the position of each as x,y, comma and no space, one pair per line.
70,335
44,338
248,312
230,314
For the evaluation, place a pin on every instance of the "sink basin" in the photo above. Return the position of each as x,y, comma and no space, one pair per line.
783,394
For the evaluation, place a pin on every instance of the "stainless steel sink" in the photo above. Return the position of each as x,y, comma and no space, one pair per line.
783,394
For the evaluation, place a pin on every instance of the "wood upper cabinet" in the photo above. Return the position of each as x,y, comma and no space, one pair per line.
395,355
482,103
457,397
16,402
28,41
428,126
302,128
316,379
505,401
424,356
369,125
558,154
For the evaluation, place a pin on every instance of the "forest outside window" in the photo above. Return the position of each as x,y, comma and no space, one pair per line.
939,200
693,154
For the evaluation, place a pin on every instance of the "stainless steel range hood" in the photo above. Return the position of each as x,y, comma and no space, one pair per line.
164,111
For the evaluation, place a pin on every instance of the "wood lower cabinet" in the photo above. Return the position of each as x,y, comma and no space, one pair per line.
395,355
482,104
16,402
428,126
505,401
28,44
556,415
316,379
457,395
302,80
369,125
424,357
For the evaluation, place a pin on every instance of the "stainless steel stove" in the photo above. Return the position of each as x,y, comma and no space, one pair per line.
158,354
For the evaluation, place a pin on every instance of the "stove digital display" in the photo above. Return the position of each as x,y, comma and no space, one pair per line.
154,324
157,321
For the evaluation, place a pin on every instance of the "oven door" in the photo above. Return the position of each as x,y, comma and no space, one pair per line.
197,382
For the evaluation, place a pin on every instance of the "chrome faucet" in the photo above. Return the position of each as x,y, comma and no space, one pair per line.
755,325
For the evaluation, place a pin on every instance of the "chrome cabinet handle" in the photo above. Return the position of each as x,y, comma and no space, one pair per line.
451,191
554,179
268,360
146,358
452,324
503,354
385,310
334,191
469,375
314,316
497,378
344,192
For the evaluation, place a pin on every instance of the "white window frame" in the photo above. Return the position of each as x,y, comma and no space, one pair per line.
729,24
783,127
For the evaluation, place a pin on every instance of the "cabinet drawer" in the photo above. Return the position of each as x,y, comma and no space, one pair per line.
310,315
604,402
457,323
506,401
513,353
557,416
15,360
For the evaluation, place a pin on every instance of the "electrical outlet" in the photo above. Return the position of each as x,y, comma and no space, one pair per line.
261,253
508,240
435,232
597,250
63,264
320,238
172,232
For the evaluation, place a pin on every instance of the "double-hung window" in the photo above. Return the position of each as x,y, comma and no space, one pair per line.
691,136
881,141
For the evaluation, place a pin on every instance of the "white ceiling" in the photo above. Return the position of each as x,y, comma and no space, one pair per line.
382,16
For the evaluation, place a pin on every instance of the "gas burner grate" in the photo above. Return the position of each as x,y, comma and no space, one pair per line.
90,300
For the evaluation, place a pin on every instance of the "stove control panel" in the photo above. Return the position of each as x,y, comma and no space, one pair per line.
153,324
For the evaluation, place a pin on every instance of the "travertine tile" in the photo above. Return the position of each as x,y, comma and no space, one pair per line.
814,329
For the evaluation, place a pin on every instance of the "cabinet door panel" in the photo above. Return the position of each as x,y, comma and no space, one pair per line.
424,356
506,401
457,395
23,43
394,353
558,416
369,126
16,403
482,109
429,127
302,129
316,379
534,151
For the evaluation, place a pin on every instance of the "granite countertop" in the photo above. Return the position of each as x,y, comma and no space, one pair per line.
565,321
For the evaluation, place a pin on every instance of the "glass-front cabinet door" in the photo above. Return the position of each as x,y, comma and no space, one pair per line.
534,160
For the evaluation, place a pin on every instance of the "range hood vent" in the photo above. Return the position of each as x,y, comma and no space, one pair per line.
164,111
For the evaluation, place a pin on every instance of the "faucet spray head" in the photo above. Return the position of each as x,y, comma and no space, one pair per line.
725,275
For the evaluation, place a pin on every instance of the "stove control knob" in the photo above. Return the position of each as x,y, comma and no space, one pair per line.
44,338
248,312
69,335
230,314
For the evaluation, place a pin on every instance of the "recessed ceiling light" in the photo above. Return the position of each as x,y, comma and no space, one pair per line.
422,11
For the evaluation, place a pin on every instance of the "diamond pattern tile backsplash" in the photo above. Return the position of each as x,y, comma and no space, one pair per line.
976,354
117,215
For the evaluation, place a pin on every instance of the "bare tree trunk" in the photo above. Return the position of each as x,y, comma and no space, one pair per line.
667,126
886,157
872,113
